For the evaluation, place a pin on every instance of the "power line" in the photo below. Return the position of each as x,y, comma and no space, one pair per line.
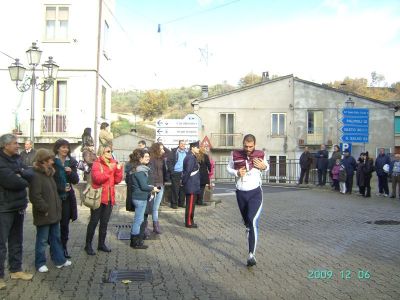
200,12
7,55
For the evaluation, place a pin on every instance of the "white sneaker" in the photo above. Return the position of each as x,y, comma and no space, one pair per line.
43,269
385,195
66,264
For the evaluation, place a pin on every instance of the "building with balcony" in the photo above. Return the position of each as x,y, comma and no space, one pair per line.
286,114
77,35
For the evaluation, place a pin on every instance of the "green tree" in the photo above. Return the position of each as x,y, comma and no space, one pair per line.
249,79
152,104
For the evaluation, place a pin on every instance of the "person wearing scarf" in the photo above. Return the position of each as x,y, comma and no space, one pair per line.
141,189
46,211
66,174
106,173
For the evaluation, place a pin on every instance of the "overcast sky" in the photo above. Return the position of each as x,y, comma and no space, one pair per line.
209,41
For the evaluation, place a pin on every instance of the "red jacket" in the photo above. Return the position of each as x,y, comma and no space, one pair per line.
107,178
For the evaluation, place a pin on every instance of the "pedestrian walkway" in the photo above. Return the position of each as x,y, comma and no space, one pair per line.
314,244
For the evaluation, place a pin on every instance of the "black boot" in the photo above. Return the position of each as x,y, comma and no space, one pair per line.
102,239
143,230
89,249
137,242
89,238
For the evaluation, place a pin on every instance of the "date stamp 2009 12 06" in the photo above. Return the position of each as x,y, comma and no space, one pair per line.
346,274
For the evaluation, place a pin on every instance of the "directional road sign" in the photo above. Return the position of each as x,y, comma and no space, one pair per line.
355,125
171,131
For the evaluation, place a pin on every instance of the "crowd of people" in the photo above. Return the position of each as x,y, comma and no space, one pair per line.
46,178
342,167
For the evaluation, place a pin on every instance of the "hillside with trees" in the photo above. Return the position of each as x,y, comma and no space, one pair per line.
176,103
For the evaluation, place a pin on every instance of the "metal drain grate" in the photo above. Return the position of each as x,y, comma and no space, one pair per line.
123,235
384,222
120,226
133,275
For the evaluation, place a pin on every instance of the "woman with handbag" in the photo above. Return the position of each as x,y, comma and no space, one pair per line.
106,173
65,176
141,190
46,210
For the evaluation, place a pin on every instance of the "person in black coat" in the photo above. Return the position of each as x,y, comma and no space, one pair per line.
205,169
15,178
191,183
306,160
350,164
322,165
28,154
381,160
65,176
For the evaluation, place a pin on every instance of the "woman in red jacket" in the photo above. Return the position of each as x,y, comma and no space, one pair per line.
106,173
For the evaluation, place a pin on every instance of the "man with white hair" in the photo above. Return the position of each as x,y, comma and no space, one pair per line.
15,177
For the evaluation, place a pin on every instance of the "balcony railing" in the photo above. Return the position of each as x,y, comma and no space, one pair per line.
226,140
316,136
53,122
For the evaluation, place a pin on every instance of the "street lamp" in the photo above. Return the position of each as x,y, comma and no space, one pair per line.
349,103
17,74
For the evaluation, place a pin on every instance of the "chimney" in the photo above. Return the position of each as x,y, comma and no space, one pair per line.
204,91
265,76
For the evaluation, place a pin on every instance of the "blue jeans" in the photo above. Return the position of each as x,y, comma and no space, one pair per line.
140,208
48,234
156,205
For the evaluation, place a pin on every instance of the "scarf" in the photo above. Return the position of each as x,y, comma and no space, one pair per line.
107,161
60,170
240,159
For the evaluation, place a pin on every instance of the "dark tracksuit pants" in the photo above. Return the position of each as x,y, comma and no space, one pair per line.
189,210
383,184
178,193
11,232
349,183
250,206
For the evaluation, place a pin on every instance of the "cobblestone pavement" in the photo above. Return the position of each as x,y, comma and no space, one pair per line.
304,235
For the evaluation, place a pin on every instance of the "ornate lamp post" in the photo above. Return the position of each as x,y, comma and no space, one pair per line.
17,74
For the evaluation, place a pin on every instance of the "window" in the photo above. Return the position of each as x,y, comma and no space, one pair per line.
103,102
55,107
57,23
315,125
278,124
397,125
226,129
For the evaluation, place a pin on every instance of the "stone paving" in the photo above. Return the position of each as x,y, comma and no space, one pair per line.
314,244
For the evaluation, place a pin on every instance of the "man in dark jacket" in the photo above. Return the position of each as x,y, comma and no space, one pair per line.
28,154
191,183
322,165
381,160
350,165
15,177
306,160
175,167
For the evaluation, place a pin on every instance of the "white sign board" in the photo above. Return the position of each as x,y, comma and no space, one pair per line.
171,131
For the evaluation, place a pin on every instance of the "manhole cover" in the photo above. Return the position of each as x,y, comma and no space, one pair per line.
133,275
384,222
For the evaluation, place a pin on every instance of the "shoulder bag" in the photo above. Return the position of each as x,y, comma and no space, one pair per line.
91,197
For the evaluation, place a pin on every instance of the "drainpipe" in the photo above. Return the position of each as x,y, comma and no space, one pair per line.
96,105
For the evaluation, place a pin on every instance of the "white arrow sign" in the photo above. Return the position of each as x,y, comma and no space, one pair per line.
176,131
176,123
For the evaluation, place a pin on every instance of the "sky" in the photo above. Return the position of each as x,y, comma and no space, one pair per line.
212,41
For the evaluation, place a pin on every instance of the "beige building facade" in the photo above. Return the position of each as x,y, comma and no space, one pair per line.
286,114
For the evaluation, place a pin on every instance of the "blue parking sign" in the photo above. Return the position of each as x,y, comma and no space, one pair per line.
345,146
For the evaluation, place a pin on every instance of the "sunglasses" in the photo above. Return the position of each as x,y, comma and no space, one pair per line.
108,151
